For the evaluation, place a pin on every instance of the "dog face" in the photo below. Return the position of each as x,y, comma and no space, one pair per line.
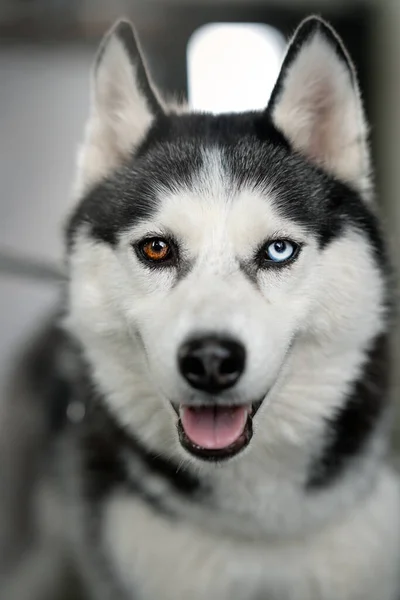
211,257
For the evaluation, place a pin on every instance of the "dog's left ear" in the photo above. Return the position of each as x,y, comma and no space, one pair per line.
124,105
316,104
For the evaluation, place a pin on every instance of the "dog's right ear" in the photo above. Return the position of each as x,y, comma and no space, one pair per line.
124,105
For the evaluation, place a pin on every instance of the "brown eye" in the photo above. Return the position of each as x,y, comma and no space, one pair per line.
156,250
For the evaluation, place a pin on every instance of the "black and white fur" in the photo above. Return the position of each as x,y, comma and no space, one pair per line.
310,509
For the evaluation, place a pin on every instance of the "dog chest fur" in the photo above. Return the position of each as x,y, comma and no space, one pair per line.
161,558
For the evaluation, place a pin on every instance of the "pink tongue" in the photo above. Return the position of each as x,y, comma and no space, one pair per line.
214,428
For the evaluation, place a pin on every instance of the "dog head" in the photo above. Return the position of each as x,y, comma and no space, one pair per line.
225,270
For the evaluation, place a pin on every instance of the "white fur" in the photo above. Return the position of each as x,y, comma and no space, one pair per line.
201,563
314,307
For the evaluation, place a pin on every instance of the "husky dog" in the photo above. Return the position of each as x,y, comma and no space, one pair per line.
228,307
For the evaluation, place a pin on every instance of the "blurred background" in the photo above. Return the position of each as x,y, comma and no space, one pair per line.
210,51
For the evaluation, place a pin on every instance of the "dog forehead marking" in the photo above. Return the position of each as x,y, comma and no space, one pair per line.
213,209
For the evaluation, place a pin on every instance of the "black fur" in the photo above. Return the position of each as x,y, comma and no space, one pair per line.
254,153
350,430
105,446
103,442
49,366
57,374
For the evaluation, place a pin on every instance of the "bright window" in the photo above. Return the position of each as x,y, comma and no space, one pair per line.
232,67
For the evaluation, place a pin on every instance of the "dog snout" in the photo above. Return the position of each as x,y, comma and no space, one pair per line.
212,364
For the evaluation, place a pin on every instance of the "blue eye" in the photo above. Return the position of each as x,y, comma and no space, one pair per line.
280,251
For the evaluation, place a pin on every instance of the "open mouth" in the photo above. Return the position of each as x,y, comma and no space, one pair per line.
216,432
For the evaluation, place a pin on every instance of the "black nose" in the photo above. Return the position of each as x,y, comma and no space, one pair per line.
212,364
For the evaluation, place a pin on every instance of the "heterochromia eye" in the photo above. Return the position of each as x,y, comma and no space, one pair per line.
156,249
280,251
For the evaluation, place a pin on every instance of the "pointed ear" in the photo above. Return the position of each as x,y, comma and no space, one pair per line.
123,106
316,104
